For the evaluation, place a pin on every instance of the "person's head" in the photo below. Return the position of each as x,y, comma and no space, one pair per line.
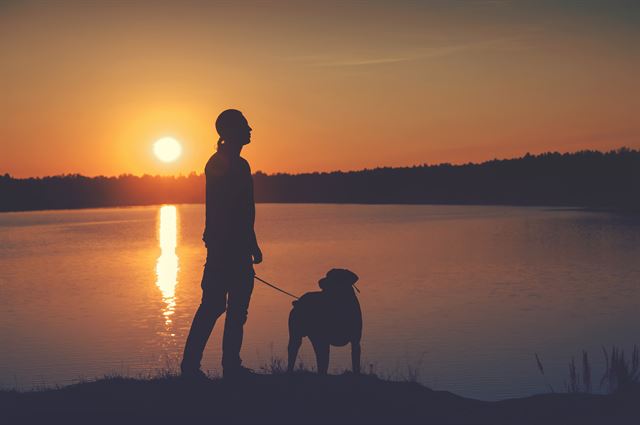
233,128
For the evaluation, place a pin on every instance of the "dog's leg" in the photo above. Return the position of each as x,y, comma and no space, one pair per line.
355,356
294,346
322,355
295,340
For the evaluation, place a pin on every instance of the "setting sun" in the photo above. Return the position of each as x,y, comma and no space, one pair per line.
167,149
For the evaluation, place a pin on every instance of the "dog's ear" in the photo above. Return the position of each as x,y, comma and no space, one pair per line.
325,283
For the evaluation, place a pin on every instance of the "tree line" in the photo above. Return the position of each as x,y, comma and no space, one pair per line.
585,178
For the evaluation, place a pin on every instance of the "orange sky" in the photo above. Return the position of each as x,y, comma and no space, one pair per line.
87,88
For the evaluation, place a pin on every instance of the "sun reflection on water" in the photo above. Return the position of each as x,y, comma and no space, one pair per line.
167,265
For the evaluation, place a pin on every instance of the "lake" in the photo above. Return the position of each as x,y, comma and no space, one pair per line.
459,297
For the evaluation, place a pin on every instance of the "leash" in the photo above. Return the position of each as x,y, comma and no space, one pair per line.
275,287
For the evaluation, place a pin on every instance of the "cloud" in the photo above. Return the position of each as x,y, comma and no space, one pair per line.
409,55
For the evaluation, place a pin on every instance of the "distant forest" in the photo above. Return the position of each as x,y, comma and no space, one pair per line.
585,178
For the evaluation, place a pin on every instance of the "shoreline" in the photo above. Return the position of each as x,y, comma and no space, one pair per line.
614,210
300,398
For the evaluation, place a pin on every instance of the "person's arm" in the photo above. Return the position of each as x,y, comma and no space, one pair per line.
256,252
253,240
217,205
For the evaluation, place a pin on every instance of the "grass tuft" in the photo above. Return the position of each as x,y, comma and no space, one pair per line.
621,374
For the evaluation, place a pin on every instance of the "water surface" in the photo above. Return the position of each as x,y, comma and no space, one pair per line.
459,296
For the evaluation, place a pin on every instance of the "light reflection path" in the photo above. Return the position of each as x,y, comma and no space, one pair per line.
167,264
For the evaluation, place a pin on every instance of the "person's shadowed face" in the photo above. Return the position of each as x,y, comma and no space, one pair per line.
234,128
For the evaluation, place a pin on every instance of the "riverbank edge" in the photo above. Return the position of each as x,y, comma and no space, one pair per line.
584,208
300,398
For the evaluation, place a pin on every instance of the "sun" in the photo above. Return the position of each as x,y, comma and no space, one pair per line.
167,149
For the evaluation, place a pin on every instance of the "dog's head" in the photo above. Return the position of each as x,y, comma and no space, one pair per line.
337,279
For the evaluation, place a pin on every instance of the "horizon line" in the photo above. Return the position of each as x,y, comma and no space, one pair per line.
424,164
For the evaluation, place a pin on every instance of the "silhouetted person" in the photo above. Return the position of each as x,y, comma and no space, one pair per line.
330,317
232,249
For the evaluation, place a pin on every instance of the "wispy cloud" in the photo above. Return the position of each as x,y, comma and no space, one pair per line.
408,55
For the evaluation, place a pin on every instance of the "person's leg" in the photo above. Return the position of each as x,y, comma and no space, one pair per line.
240,289
212,305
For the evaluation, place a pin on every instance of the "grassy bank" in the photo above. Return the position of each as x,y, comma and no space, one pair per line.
301,398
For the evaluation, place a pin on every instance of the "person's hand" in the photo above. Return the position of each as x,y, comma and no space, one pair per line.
257,256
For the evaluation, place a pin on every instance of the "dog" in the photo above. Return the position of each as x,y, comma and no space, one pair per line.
328,317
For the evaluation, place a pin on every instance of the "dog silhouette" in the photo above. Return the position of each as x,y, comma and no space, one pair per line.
328,317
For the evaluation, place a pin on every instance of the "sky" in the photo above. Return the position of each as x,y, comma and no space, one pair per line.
88,87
